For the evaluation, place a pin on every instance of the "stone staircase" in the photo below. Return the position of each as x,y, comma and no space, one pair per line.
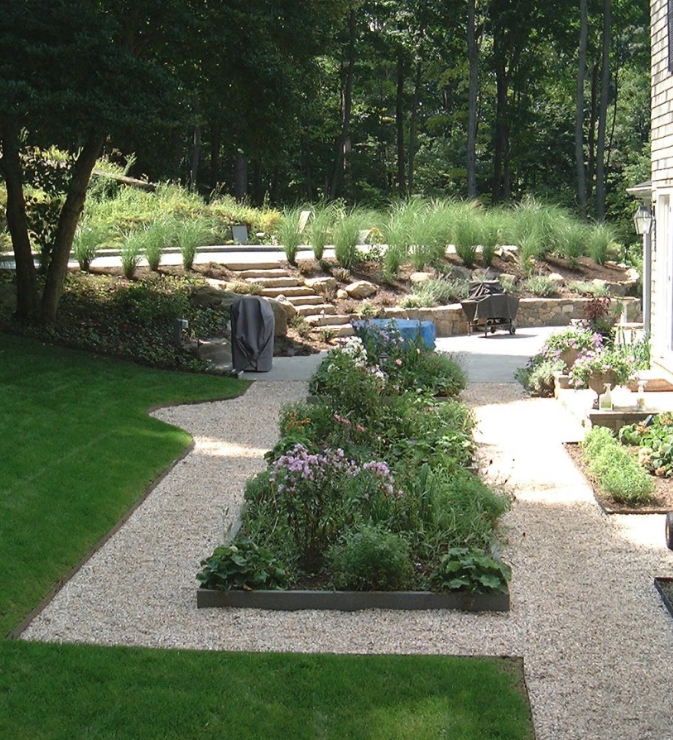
276,282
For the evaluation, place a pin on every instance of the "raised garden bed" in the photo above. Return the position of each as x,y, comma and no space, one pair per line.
664,490
351,600
665,588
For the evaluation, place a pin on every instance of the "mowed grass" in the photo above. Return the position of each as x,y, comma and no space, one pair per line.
78,449
65,691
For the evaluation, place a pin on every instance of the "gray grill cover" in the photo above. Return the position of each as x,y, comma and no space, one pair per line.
252,330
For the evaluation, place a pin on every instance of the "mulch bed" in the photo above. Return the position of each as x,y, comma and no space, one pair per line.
663,490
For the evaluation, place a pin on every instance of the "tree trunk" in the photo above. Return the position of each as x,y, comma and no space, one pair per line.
472,100
308,172
196,149
67,224
501,134
399,123
27,298
591,134
215,140
412,124
603,111
346,107
579,112
240,177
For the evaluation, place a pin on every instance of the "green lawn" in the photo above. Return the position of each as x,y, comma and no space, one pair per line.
78,449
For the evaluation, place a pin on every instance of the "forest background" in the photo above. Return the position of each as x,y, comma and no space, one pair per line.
286,101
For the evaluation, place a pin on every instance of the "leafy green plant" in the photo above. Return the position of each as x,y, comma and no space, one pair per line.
369,558
241,565
473,571
590,289
655,440
539,375
615,363
442,291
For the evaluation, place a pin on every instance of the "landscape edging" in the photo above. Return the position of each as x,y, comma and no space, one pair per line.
351,600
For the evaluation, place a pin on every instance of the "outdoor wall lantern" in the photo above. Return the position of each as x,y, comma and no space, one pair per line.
642,220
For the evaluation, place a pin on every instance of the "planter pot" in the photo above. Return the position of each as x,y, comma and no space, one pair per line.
665,588
597,383
351,600
568,357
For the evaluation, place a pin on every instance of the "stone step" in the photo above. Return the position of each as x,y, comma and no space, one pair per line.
270,273
327,319
275,282
338,330
305,300
242,266
313,309
289,291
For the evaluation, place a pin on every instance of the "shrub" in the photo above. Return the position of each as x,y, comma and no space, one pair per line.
589,289
442,291
319,229
370,558
346,238
86,243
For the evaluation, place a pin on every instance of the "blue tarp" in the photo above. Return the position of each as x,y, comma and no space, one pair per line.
411,329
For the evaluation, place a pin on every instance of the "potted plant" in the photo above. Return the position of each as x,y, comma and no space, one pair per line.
568,345
596,368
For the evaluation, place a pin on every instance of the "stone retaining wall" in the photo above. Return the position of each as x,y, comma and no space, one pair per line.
450,320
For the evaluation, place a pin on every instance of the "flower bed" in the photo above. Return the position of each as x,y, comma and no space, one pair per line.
368,497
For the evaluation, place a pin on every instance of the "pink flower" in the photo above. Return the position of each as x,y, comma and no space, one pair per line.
398,362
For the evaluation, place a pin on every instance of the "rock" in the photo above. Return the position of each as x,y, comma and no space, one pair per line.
458,272
289,308
322,285
361,289
279,316
509,278
420,277
556,278
600,284
341,294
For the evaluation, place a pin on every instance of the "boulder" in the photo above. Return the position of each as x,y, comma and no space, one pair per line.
420,277
361,289
322,285
290,308
557,279
458,272
279,316
341,294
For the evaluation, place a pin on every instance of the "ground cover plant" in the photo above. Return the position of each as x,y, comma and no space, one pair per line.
369,487
67,422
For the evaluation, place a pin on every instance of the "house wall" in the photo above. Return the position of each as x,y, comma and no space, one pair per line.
662,188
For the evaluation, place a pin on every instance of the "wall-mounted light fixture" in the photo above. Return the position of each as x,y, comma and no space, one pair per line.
642,220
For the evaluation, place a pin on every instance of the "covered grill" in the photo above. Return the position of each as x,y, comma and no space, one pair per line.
488,307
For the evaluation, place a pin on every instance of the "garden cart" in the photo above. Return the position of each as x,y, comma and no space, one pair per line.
488,308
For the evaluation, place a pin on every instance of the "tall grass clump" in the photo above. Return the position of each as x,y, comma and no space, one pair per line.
131,252
288,233
87,241
319,228
398,232
158,235
600,239
347,229
191,235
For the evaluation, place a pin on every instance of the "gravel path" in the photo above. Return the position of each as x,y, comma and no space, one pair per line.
596,640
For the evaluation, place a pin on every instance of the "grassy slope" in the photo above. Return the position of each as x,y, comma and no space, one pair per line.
78,449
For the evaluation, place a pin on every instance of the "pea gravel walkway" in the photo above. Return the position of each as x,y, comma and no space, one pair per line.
597,643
